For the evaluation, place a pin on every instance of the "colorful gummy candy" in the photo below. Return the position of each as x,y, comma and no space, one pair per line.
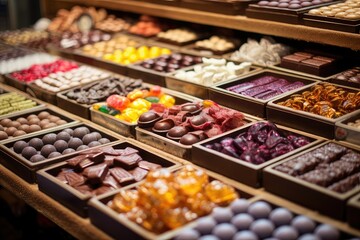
137,102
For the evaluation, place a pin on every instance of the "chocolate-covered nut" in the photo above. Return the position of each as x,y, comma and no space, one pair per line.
54,154
37,158
75,142
28,152
49,138
80,132
19,146
60,145
47,149
63,136
67,151
36,143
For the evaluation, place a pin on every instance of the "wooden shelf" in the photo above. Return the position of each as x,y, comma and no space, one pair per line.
300,32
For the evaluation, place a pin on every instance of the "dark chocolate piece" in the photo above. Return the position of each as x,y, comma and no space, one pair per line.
96,174
129,151
139,173
148,165
127,161
76,160
110,181
122,176
84,189
74,179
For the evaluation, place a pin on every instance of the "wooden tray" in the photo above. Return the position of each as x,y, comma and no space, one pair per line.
237,169
305,193
353,212
347,133
72,198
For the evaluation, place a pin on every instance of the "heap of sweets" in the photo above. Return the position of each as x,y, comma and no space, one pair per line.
324,99
331,166
216,44
105,169
147,26
53,145
66,20
59,81
99,49
265,87
213,71
69,40
32,123
21,37
131,55
348,10
178,35
244,220
262,142
190,123
13,102
100,91
266,52
112,24
167,200
129,108
37,71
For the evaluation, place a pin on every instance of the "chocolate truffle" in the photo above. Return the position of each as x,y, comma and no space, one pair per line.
60,145
94,144
34,128
3,135
43,115
28,152
49,138
189,139
80,132
67,151
69,131
88,138
19,146
36,143
37,158
63,136
47,149
22,120
177,132
104,140
82,147
19,133
54,154
75,142
10,131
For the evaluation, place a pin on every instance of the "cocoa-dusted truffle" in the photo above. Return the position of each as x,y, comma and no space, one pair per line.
82,147
60,122
25,128
67,151
69,131
63,136
5,122
104,140
34,128
80,132
37,158
94,144
43,115
36,143
54,154
60,145
88,138
28,152
16,124
19,146
75,142
53,119
3,135
49,138
22,120
10,131
47,149
34,120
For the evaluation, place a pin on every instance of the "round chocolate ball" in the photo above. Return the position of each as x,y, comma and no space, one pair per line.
198,120
245,235
49,125
281,216
94,144
80,132
54,154
97,135
60,145
47,149
188,234
28,152
69,131
44,122
19,146
178,131
34,128
36,143
303,224
15,124
37,158
5,122
222,214
3,135
239,205
54,119
43,115
49,138
19,133
262,227
242,221
286,233
82,147
10,131
209,237
327,232
63,136
205,224
67,151
104,140
75,142
224,231
25,128
22,120
163,125
60,122
309,236
189,139
88,138
259,209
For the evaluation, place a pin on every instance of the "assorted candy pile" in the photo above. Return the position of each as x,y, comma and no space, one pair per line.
190,123
167,200
37,71
262,142
129,108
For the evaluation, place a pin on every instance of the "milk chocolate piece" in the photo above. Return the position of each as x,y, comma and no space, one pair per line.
74,179
347,184
74,162
110,181
109,160
61,176
127,161
102,190
97,157
122,176
148,165
85,163
304,54
96,174
84,189
139,173
129,151
110,151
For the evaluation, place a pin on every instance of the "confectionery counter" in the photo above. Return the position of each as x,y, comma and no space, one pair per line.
300,32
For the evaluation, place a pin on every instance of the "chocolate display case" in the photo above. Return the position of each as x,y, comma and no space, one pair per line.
197,89
348,78
252,105
309,194
346,132
303,120
228,7
353,212
128,129
238,169
346,25
288,12
76,200
25,168
66,121
117,225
